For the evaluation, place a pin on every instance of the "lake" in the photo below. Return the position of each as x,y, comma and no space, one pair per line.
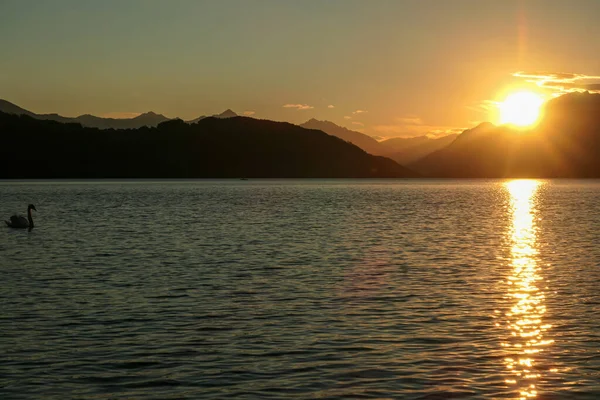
411,289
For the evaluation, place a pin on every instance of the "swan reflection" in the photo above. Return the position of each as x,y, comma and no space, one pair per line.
524,320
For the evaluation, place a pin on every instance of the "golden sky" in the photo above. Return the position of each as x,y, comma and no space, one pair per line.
384,67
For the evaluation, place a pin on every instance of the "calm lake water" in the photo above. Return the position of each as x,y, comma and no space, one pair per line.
301,289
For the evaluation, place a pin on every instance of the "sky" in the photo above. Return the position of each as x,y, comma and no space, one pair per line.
384,67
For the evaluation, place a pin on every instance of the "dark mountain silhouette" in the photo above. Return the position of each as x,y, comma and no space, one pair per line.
225,114
10,108
91,121
565,144
401,150
146,119
408,150
151,119
193,121
87,120
365,142
212,148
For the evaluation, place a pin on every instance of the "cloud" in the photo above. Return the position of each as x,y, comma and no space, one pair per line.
249,113
298,106
347,117
359,112
562,82
121,115
331,106
357,123
548,75
572,85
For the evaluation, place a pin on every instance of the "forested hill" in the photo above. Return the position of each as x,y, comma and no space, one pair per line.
212,148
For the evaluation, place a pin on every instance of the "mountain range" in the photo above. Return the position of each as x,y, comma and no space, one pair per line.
408,150
564,144
213,147
402,150
149,119
87,120
225,114
365,142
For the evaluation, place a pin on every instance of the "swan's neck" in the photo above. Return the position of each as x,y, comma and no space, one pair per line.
29,218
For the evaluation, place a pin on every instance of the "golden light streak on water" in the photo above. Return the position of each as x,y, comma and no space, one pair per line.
525,318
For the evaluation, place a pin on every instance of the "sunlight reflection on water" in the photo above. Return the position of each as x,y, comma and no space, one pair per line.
525,318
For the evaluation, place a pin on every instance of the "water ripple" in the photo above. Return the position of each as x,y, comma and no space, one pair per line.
301,289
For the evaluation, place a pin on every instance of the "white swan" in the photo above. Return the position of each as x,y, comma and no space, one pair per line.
19,221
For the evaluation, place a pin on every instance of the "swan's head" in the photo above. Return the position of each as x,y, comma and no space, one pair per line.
31,207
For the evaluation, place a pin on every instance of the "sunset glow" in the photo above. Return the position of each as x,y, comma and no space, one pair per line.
520,109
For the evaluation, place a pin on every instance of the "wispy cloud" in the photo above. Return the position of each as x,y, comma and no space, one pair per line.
331,106
548,75
298,106
121,115
347,117
249,113
562,82
359,112
570,86
357,123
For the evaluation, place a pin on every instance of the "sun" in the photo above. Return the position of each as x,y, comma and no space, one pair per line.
520,109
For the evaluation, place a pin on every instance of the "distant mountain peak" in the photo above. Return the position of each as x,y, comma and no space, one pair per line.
365,142
226,114
151,114
10,108
485,125
318,124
